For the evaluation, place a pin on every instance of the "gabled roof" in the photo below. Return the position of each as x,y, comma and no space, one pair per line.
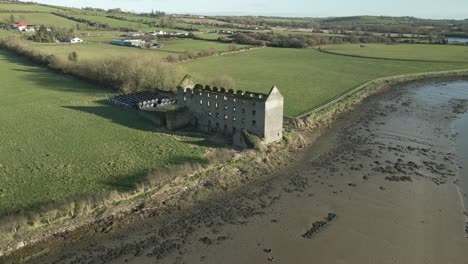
22,24
187,82
274,94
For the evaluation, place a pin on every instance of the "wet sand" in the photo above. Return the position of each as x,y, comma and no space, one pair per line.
461,145
389,171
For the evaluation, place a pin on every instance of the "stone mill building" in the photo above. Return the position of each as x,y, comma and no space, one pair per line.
230,112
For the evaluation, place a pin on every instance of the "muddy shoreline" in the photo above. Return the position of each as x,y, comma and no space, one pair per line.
384,171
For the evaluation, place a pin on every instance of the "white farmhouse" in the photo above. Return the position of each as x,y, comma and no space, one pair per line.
158,33
134,34
74,40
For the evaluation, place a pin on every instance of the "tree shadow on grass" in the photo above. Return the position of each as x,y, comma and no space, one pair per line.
116,115
131,119
48,79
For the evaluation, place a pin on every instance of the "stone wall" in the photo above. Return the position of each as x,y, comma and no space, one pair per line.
228,112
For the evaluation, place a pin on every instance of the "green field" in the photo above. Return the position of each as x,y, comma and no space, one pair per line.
114,22
369,20
102,39
197,45
404,51
212,36
58,140
307,78
307,33
6,33
94,49
91,51
26,7
41,19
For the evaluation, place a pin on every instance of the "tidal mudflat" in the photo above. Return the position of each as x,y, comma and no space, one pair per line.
383,185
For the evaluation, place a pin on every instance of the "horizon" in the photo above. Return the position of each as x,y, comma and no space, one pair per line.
452,8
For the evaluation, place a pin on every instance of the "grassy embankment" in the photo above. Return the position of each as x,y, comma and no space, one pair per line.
404,51
308,78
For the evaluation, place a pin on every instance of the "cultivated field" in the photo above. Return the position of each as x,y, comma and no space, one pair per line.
94,49
404,51
212,36
41,19
26,8
91,51
197,45
115,22
58,140
307,78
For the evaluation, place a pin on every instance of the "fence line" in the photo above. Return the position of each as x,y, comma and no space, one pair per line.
361,87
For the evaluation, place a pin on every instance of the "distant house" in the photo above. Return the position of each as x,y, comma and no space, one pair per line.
134,43
158,33
118,42
74,40
30,29
21,26
178,34
129,42
134,34
37,28
224,31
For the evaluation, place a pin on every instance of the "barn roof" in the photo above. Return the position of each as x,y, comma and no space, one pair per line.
22,24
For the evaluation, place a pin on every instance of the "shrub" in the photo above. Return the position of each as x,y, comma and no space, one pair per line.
251,140
225,82
191,55
73,56
126,74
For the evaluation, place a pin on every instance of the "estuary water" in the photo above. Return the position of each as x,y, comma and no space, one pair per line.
461,145
457,40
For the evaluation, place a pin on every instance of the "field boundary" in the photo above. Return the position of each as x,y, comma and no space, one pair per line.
225,53
367,84
383,58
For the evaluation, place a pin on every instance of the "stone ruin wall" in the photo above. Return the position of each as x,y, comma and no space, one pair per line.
225,112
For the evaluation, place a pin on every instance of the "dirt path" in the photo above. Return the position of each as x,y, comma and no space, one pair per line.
379,187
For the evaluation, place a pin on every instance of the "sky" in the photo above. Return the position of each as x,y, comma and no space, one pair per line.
449,9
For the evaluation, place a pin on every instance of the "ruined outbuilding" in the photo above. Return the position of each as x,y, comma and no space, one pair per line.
233,113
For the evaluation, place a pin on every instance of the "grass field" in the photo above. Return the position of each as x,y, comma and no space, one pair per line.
26,7
307,33
361,20
93,49
307,78
213,36
197,45
41,19
102,39
6,33
404,51
115,22
57,140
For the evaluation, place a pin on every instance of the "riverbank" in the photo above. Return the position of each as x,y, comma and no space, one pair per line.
461,146
387,170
